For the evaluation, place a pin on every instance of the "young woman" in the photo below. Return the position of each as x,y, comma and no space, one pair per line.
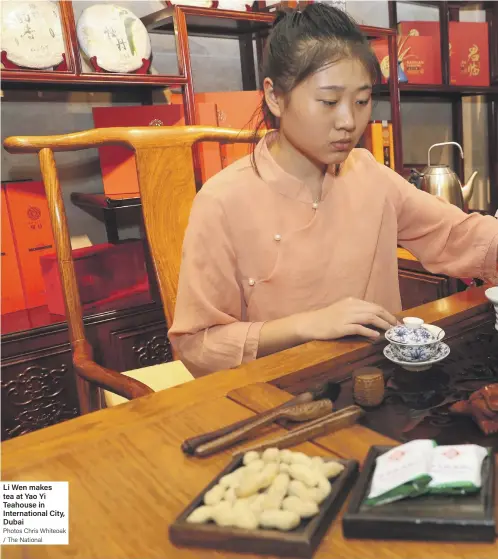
298,242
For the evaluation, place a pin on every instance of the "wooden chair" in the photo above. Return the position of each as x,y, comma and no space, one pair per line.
167,190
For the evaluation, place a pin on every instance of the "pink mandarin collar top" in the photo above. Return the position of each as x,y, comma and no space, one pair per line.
258,248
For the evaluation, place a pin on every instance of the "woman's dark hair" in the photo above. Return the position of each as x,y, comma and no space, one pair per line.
302,42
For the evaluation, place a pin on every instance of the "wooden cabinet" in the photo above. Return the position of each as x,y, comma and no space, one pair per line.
37,390
140,347
417,289
418,286
38,381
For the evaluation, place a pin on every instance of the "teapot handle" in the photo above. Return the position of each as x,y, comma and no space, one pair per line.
442,144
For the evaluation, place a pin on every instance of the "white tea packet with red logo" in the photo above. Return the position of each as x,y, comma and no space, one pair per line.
401,472
456,469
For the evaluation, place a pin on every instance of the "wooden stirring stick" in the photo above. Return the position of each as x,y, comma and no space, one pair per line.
323,426
301,412
328,390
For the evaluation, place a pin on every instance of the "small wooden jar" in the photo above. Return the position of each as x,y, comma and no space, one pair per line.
368,386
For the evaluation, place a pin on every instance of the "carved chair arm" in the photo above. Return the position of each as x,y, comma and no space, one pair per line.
107,379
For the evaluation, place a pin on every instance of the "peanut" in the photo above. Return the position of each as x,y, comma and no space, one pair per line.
214,495
305,474
305,509
280,519
250,457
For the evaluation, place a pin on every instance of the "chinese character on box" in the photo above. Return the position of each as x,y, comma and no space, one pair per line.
469,54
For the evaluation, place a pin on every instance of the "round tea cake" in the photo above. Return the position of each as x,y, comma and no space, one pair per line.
115,36
32,34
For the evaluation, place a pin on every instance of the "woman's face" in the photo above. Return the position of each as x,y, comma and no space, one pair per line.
325,115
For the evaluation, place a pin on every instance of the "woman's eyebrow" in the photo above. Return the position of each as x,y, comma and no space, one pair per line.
342,88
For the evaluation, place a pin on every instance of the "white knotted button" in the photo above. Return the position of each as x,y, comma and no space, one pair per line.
315,205
251,282
278,237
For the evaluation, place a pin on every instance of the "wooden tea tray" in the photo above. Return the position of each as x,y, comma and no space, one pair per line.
424,518
300,542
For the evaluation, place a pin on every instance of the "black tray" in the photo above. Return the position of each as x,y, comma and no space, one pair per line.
300,542
428,517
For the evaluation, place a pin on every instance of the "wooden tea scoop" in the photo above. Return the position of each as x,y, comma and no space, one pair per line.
299,412
318,428
329,390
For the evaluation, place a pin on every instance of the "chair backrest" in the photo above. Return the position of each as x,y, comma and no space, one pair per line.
167,190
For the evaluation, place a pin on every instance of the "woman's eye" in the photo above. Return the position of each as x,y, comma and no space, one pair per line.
363,101
329,103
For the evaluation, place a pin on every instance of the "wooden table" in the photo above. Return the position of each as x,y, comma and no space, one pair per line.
128,479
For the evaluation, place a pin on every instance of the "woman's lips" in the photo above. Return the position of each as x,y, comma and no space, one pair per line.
342,146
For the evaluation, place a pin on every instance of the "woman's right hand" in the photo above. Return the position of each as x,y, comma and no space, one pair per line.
347,317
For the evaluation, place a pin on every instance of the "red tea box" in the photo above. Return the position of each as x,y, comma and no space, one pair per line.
469,53
416,57
12,290
32,231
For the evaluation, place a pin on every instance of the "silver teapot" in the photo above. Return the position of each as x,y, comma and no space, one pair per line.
442,181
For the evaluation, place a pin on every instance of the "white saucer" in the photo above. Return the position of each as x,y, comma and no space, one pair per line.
416,366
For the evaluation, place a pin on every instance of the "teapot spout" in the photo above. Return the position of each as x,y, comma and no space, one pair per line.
468,189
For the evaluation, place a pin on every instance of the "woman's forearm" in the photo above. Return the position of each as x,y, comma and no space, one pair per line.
282,333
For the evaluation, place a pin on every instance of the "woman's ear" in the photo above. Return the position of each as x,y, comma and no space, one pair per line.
272,100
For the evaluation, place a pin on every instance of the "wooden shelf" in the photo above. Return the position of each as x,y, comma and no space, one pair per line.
89,81
431,90
100,201
211,22
200,22
106,209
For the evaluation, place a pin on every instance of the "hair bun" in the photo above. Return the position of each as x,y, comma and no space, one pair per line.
279,17
293,15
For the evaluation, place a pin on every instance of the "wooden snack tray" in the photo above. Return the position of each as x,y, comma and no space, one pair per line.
300,542
428,517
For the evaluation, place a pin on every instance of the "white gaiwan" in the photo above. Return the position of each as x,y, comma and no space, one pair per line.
414,340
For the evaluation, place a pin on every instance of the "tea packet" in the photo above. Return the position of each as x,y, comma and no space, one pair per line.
401,472
456,469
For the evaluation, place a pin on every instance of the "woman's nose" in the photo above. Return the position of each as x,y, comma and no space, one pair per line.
345,119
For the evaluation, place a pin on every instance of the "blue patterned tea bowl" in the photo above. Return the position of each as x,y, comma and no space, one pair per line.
414,340
415,352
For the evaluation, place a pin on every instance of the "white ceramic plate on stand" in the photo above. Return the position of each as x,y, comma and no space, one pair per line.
417,366
32,34
115,36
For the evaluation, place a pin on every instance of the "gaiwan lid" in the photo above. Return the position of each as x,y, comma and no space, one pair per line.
412,332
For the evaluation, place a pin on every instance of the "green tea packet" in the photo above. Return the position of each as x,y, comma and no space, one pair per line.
456,469
401,472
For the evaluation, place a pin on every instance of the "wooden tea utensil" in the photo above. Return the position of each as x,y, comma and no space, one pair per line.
328,390
299,412
318,428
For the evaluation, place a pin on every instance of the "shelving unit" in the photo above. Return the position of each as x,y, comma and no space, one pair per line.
182,22
448,11
186,21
